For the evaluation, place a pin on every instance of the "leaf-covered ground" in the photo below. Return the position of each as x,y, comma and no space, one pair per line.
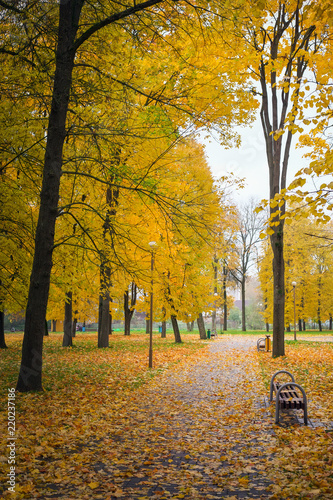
195,427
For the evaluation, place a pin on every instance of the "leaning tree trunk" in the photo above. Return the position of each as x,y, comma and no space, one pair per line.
30,376
2,331
176,331
67,340
201,327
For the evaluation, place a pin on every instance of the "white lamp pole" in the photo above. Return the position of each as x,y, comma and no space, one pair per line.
152,245
294,286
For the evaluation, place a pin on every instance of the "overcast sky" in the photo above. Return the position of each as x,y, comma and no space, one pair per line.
249,161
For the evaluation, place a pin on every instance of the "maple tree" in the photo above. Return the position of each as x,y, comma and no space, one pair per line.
285,44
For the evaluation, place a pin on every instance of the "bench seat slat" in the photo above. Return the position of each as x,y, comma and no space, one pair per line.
289,399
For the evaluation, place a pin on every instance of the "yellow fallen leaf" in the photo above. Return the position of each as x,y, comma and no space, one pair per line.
93,485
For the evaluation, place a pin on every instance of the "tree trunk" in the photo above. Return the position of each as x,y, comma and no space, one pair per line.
54,325
175,327
163,334
331,322
30,376
214,321
2,331
147,324
201,327
67,338
267,327
46,332
303,325
300,324
127,315
279,291
74,322
129,308
74,327
243,305
104,327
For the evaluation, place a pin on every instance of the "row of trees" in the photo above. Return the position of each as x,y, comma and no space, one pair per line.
309,264
96,156
98,101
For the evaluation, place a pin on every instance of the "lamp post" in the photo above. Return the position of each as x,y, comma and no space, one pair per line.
294,286
152,245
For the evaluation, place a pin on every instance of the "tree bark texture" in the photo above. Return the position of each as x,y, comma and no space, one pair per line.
278,294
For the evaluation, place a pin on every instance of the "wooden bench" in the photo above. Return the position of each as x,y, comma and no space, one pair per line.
287,396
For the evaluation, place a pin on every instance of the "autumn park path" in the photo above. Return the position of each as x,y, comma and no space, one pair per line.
207,434
197,431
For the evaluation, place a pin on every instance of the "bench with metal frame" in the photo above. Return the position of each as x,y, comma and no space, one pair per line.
261,345
287,397
264,344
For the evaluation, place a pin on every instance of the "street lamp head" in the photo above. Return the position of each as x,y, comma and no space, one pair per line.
294,284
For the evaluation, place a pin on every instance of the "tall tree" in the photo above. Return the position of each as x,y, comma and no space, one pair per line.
68,43
284,43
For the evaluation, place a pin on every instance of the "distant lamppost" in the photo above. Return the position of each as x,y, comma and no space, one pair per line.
294,286
152,245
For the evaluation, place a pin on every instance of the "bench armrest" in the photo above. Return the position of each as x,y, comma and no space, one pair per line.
272,380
